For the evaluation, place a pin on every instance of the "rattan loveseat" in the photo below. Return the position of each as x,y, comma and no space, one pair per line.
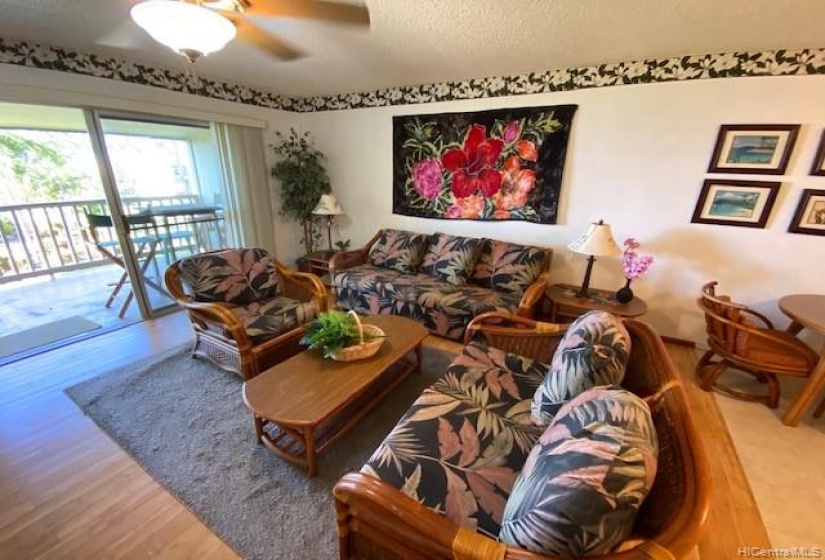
378,520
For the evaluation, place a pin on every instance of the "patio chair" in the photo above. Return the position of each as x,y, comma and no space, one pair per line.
145,249
247,309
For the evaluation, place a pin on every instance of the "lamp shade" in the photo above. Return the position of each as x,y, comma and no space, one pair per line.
187,29
328,206
597,241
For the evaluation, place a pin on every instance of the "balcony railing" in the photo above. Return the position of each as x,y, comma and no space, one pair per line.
44,238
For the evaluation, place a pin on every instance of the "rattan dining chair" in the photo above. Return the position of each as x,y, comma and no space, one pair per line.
744,339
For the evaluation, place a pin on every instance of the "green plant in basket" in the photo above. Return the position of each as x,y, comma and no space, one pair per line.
333,330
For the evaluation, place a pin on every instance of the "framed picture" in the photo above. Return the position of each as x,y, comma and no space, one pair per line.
818,168
762,149
810,214
735,203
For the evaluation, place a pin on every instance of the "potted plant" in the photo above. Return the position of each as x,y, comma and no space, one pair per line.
303,180
341,336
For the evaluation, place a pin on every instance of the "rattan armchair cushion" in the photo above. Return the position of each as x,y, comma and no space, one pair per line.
594,351
235,276
269,318
584,481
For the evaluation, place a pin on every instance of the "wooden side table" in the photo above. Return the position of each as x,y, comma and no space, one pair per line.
806,311
317,263
565,305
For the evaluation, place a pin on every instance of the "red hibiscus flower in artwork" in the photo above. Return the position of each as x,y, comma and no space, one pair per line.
472,166
516,185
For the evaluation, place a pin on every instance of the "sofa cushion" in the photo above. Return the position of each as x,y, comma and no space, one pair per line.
264,320
451,258
399,250
594,351
364,277
508,267
582,484
460,446
475,300
235,276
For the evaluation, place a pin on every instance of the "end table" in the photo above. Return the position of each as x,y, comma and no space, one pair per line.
317,263
565,305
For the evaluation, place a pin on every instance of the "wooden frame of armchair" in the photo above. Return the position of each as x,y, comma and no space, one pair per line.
221,337
530,302
377,520
732,330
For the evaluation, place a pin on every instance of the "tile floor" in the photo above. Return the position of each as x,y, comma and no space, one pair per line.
785,467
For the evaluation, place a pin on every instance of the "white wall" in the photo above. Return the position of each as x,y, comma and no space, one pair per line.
637,158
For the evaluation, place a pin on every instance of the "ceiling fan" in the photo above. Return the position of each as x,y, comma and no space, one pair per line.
195,28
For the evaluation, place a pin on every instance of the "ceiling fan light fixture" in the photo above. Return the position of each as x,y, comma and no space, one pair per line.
187,29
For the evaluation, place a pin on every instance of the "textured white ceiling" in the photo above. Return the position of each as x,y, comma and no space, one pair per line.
414,42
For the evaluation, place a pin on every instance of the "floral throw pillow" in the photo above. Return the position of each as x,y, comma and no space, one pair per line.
451,258
236,276
508,267
399,250
594,351
583,482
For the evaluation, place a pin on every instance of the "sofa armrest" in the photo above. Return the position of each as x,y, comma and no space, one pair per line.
348,259
303,286
533,296
390,524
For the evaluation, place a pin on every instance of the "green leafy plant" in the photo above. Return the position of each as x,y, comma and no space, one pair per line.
331,331
343,245
303,180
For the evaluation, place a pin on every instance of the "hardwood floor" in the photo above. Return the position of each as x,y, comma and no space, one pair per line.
67,491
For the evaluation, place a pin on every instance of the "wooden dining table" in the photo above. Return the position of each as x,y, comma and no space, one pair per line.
806,311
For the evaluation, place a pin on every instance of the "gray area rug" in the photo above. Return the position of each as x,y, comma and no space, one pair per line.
184,422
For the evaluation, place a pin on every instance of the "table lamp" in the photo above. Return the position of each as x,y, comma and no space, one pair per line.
330,207
596,242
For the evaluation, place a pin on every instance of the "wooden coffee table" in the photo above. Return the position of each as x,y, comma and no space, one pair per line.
302,405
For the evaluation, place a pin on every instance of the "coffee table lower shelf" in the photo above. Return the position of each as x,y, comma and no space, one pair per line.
301,443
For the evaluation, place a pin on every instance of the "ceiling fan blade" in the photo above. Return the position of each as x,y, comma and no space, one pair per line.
250,33
310,9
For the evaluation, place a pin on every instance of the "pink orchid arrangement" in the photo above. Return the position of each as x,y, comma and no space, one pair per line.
634,264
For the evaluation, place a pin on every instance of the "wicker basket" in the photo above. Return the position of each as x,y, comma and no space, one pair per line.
363,349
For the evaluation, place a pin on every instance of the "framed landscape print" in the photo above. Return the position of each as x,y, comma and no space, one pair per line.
818,168
810,214
735,203
762,149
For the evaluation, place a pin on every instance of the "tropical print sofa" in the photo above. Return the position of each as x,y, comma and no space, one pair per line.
580,445
440,280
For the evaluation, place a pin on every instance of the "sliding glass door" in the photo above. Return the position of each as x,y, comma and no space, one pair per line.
164,182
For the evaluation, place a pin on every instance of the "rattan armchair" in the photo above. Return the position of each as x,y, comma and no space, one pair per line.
377,520
224,332
744,339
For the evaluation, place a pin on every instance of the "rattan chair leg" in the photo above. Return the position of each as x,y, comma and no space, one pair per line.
820,409
710,372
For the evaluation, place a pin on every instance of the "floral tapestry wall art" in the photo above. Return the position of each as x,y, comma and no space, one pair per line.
504,164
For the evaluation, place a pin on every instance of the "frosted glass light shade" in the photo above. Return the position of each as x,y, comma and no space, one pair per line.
328,205
597,241
185,28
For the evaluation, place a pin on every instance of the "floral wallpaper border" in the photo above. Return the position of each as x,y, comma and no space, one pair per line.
729,65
